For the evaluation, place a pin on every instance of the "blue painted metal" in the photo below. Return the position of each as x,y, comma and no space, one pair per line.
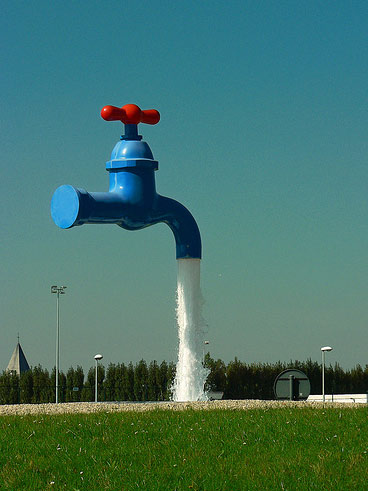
132,201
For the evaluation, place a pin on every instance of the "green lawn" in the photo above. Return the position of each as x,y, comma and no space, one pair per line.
286,449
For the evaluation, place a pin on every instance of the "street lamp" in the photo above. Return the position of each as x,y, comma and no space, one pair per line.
324,349
97,358
205,343
59,290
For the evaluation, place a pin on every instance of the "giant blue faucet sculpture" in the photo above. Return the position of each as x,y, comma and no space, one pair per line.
132,201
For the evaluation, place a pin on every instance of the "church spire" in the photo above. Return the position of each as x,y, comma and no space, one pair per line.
18,362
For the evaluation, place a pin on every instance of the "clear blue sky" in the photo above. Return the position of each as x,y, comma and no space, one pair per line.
263,136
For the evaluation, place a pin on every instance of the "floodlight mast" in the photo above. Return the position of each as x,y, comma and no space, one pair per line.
59,290
324,349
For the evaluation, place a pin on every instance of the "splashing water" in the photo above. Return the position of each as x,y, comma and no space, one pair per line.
190,373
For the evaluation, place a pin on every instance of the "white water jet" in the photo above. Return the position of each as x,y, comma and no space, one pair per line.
190,373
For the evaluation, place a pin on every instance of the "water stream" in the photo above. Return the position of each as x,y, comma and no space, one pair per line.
190,373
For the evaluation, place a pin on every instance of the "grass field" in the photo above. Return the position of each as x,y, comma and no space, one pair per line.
286,449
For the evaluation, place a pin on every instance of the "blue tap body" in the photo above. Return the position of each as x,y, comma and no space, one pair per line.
132,201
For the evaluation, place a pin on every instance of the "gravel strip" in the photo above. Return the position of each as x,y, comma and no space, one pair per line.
92,407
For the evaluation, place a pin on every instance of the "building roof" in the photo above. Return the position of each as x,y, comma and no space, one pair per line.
18,362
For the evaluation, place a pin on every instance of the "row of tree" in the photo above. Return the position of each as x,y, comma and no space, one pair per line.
153,381
120,382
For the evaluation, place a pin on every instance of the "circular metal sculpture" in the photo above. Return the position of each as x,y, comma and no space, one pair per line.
292,384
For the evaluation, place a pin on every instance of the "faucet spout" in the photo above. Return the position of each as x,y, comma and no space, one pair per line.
72,207
183,226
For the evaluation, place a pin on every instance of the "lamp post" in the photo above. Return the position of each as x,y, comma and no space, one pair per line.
205,343
97,358
59,290
324,349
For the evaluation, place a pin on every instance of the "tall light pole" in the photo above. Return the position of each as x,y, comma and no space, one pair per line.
324,349
97,358
59,290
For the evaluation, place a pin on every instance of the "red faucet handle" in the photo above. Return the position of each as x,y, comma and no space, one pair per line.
130,114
